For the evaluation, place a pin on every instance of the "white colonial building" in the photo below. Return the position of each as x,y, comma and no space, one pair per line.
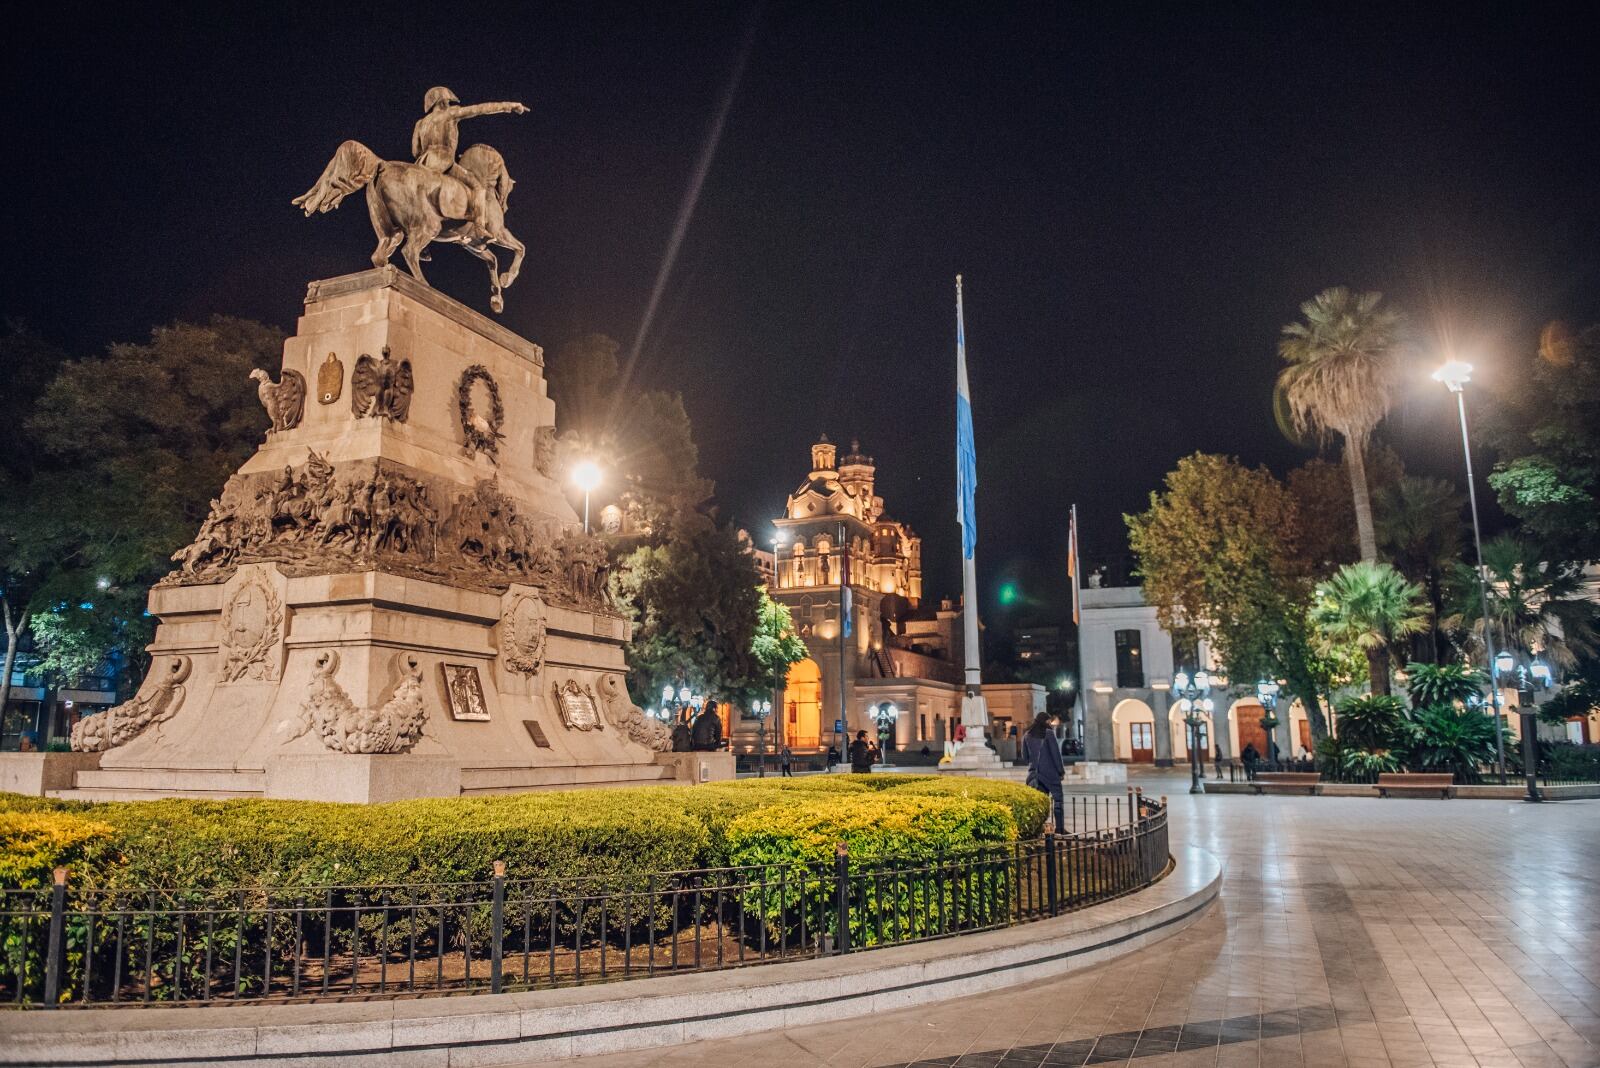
1127,712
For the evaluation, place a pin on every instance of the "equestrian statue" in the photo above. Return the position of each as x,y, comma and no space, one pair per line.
437,198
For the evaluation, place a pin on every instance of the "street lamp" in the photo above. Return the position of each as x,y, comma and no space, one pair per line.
762,710
1506,664
1267,692
1455,375
1192,689
586,476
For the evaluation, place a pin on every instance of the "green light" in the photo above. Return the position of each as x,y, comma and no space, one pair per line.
1008,593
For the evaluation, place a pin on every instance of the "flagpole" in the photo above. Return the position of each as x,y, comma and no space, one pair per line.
1075,570
844,630
973,754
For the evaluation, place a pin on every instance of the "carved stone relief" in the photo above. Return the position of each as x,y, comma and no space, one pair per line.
284,400
544,451
312,520
251,632
344,727
628,718
464,689
523,633
576,704
157,702
381,388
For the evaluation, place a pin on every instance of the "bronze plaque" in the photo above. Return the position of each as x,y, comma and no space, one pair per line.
577,706
536,732
465,690
330,379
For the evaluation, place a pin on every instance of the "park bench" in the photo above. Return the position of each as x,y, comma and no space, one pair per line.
1414,784
1286,782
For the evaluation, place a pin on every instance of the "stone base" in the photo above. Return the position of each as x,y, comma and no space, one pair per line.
37,773
691,768
1089,772
362,779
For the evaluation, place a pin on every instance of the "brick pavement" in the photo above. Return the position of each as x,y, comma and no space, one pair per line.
1350,932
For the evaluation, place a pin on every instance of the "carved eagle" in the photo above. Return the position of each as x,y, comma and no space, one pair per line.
284,400
381,387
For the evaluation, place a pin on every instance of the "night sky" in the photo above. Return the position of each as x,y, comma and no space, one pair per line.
1139,196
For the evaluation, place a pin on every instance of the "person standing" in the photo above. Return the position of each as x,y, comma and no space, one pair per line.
860,754
1045,766
786,761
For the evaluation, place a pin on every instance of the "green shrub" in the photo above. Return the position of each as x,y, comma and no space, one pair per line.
891,838
1029,808
33,844
1459,742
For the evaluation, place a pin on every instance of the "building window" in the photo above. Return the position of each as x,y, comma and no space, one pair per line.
1130,660
1185,649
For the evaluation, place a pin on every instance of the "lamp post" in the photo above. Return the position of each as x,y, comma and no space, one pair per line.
1192,691
1455,375
1506,664
762,709
887,714
1267,692
586,476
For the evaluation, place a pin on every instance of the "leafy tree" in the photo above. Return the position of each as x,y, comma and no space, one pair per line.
695,599
1327,527
1216,555
1419,529
1547,431
1368,606
642,436
776,645
1340,379
1535,605
133,445
30,534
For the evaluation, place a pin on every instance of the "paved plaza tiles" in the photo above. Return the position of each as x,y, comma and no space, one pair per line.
1350,931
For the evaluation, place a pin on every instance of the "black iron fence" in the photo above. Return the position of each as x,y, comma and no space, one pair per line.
66,945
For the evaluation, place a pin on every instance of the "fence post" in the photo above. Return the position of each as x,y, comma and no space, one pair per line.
497,921
841,879
1052,887
57,943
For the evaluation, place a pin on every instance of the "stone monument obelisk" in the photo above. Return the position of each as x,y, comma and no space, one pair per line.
391,598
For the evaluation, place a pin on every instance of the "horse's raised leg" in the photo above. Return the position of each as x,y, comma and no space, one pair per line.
486,254
386,247
506,239
383,224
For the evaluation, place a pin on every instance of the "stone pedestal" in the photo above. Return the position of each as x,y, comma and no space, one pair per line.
39,773
391,598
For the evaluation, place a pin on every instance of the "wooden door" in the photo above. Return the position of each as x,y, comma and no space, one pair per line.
1251,733
1141,742
1305,735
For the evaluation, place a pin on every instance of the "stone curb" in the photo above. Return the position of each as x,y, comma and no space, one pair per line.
550,1025
1514,791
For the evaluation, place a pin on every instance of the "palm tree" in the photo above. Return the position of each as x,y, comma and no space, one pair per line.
1419,528
1535,605
1368,606
1340,380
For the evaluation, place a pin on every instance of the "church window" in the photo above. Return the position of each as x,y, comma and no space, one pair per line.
1130,659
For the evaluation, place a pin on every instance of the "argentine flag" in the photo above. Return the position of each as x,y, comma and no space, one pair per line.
966,449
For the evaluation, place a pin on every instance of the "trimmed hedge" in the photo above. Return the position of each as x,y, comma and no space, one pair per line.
606,836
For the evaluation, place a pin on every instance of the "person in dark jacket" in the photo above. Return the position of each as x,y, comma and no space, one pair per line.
1045,766
786,761
860,754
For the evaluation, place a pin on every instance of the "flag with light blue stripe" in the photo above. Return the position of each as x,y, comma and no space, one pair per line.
966,448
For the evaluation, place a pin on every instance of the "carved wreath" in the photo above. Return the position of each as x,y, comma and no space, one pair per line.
245,647
481,434
522,636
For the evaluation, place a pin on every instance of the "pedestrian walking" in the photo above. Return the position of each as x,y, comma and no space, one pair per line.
1045,766
786,762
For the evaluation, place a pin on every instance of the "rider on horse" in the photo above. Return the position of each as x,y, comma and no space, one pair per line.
437,135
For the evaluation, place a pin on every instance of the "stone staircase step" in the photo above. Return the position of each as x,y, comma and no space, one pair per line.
173,780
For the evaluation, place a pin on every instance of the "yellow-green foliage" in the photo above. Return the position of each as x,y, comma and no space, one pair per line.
33,844
597,834
875,826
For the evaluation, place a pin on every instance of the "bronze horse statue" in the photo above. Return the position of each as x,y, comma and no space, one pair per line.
436,198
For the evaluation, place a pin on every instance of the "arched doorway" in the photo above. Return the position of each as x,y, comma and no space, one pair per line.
1133,730
802,705
1245,728
1180,736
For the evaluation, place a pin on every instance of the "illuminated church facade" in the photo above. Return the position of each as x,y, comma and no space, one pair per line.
899,659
